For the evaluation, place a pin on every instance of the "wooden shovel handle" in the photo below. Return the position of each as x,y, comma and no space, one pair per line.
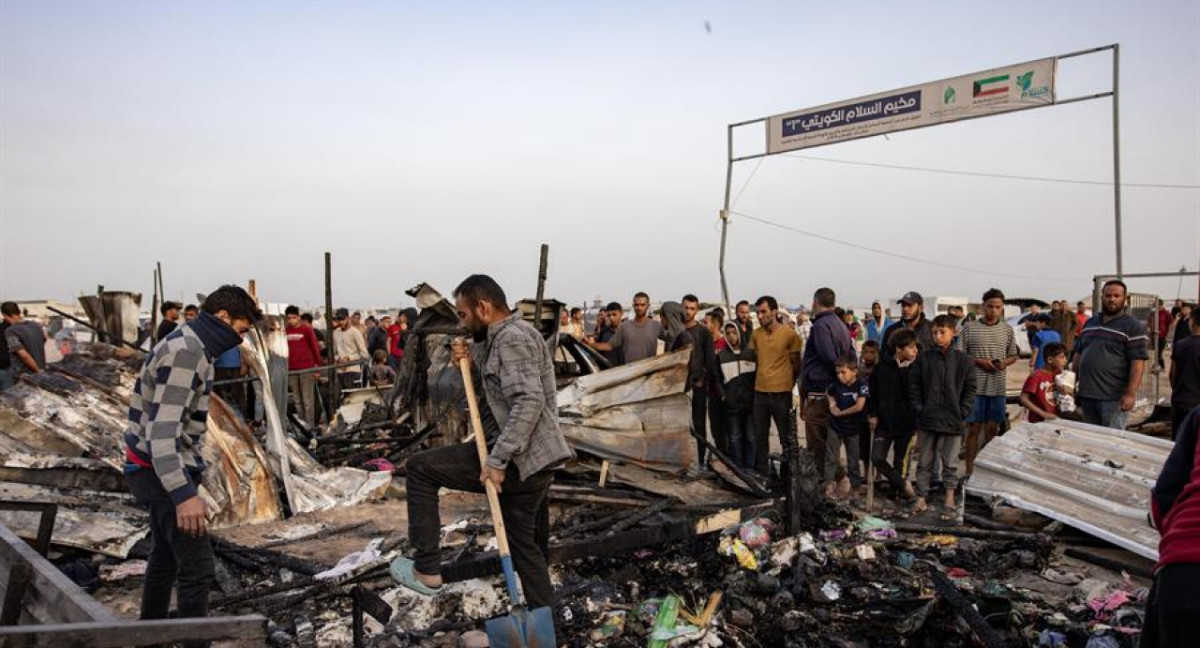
481,444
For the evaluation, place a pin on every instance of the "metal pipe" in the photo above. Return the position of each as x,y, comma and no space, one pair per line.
335,394
1146,275
725,215
1086,51
1116,141
94,328
541,287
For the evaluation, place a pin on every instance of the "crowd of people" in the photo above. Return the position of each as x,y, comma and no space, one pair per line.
890,395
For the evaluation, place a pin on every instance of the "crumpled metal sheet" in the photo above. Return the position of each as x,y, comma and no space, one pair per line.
636,413
1095,479
238,484
309,485
105,523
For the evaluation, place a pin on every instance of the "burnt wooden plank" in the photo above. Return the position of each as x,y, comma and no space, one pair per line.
119,634
52,597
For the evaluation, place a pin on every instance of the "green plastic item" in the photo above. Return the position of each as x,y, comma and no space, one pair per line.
668,614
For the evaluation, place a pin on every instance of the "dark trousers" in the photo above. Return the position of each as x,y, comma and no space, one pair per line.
1173,611
523,504
1162,346
176,559
1178,413
768,407
700,421
718,423
740,426
816,427
897,443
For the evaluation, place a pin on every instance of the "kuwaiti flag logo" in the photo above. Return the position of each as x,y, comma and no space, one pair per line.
990,86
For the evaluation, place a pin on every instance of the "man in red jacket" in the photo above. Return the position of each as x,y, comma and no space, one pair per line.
303,353
1173,611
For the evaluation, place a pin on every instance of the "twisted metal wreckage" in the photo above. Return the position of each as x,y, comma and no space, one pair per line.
60,434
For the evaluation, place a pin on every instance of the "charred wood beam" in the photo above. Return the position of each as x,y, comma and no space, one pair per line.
1110,563
636,518
964,532
269,556
323,533
963,609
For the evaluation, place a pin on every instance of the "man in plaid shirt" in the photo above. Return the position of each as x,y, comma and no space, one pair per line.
512,363
167,416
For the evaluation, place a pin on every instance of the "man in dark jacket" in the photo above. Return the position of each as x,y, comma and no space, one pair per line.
941,390
698,367
737,372
890,411
912,314
828,342
1173,611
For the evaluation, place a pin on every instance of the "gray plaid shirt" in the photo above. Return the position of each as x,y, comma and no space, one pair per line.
518,379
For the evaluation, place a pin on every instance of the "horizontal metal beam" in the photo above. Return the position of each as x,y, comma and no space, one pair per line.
1146,275
1085,52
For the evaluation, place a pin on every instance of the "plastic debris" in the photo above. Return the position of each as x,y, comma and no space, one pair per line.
755,533
731,546
871,523
784,552
827,591
1051,639
905,560
807,545
664,622
864,552
353,561
957,572
612,626
1103,641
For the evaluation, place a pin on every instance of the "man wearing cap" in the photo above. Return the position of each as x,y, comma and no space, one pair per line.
349,345
912,317
170,313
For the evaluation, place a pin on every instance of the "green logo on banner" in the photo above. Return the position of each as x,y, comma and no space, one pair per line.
948,98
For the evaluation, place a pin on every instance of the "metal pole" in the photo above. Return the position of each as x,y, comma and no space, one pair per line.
1116,121
725,215
334,388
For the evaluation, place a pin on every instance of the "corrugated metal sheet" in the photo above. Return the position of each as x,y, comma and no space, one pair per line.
1095,479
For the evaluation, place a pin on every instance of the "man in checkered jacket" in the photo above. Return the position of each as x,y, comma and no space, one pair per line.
167,415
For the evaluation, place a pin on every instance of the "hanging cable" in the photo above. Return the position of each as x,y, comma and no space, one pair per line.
978,174
905,257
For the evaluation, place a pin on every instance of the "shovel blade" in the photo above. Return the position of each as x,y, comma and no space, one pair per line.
522,629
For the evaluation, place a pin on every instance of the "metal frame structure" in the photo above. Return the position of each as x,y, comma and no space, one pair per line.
1116,50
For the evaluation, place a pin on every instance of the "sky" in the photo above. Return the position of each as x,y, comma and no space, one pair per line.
428,141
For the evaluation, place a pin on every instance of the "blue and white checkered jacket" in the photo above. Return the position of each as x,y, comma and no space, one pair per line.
168,409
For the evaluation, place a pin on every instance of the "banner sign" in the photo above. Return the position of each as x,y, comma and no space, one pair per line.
991,92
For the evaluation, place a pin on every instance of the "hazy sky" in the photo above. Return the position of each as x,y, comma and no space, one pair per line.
426,141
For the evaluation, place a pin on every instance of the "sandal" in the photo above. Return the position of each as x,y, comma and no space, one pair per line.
404,572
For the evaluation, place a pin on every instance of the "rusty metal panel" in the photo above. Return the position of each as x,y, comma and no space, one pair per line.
1095,479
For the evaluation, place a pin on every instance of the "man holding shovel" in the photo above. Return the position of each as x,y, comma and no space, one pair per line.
511,362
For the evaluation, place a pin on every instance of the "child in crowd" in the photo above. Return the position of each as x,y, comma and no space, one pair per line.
1044,336
890,412
868,359
941,390
847,412
1039,396
381,374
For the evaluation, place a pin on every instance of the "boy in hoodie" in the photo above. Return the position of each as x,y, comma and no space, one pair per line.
890,413
1173,610
941,389
737,373
167,413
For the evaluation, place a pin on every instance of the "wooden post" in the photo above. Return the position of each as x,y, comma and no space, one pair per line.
334,390
252,288
541,287
154,312
101,316
603,473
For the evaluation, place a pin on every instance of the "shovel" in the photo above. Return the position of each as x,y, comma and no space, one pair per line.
522,627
